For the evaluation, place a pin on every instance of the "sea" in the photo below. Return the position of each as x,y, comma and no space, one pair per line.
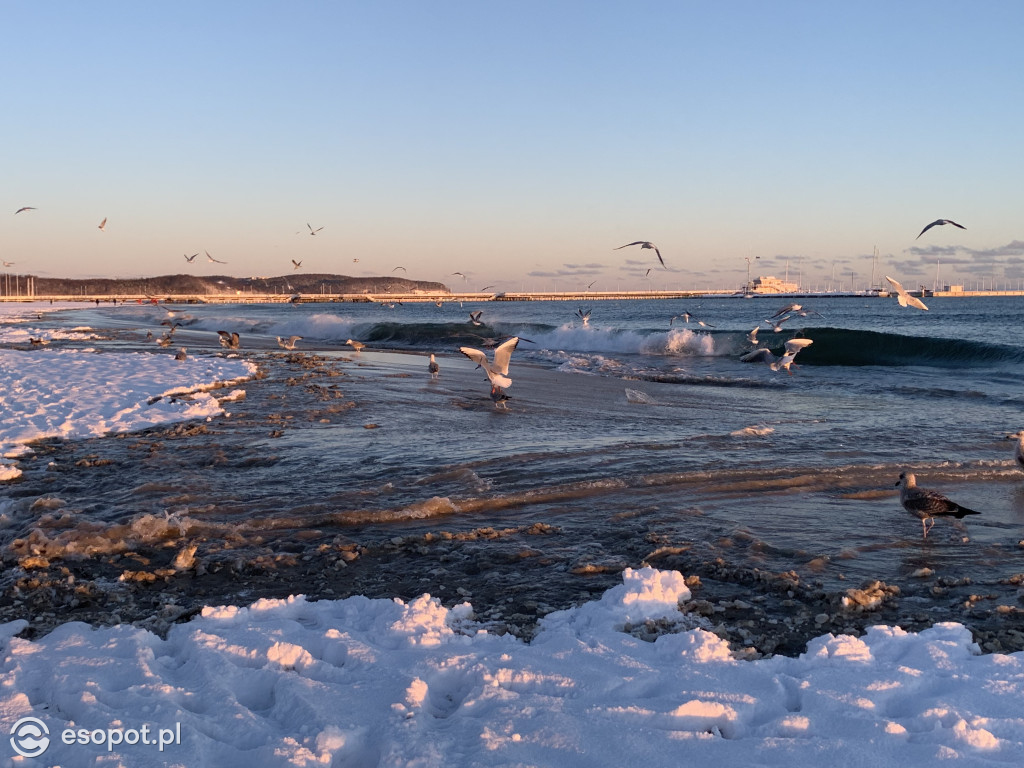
636,435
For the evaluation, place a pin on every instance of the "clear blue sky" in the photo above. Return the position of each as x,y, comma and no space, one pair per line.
518,143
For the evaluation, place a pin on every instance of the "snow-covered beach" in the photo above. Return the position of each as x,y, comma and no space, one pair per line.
621,678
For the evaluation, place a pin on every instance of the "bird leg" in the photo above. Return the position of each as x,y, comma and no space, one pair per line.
925,527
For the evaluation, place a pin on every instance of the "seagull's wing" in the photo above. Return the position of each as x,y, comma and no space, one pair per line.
899,288
659,257
638,242
503,354
795,345
950,221
933,224
758,356
915,302
476,356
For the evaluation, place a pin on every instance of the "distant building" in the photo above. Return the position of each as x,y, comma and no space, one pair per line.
770,284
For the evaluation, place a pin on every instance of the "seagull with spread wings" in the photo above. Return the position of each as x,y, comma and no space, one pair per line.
904,298
939,223
311,230
644,244
213,260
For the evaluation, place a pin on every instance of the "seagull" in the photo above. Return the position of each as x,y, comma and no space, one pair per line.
433,367
584,315
37,342
296,264
688,317
474,317
215,261
459,274
927,505
400,268
903,297
9,263
191,258
1018,450
643,244
497,371
939,223
793,346
313,231
485,288
180,355
499,397
356,345
752,336
103,225
24,208
288,343
786,309
355,261
228,340
777,324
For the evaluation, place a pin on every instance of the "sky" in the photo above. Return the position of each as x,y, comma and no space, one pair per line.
518,144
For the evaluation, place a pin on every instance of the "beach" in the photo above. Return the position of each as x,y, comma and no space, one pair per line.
758,507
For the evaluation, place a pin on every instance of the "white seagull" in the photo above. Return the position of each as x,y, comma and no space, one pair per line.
939,223
688,317
213,260
288,343
644,244
103,225
793,346
497,371
584,315
927,505
904,298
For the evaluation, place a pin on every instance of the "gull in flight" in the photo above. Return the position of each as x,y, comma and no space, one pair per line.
24,208
777,324
497,371
400,268
643,244
311,230
928,505
213,260
191,258
356,345
288,343
688,317
939,223
296,264
433,367
786,309
228,340
904,298
474,317
8,263
584,315
793,346
103,225
752,336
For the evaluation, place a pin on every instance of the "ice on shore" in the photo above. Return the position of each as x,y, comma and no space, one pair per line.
76,393
384,682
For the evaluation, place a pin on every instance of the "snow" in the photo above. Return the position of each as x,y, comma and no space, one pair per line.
383,682
75,393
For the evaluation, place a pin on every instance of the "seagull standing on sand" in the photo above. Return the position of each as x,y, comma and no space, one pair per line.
433,367
904,298
228,340
356,345
939,223
793,346
181,354
644,244
288,343
927,505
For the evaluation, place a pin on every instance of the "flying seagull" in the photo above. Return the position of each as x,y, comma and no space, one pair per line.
497,371
288,343
191,258
643,244
939,223
927,505
24,208
228,340
474,317
215,261
103,225
688,317
296,264
9,263
311,230
584,315
904,298
400,268
793,346
433,367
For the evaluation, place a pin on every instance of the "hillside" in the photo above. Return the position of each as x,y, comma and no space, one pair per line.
220,284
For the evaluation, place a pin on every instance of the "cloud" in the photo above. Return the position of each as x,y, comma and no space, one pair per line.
570,270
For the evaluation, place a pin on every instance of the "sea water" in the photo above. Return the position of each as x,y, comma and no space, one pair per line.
636,434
